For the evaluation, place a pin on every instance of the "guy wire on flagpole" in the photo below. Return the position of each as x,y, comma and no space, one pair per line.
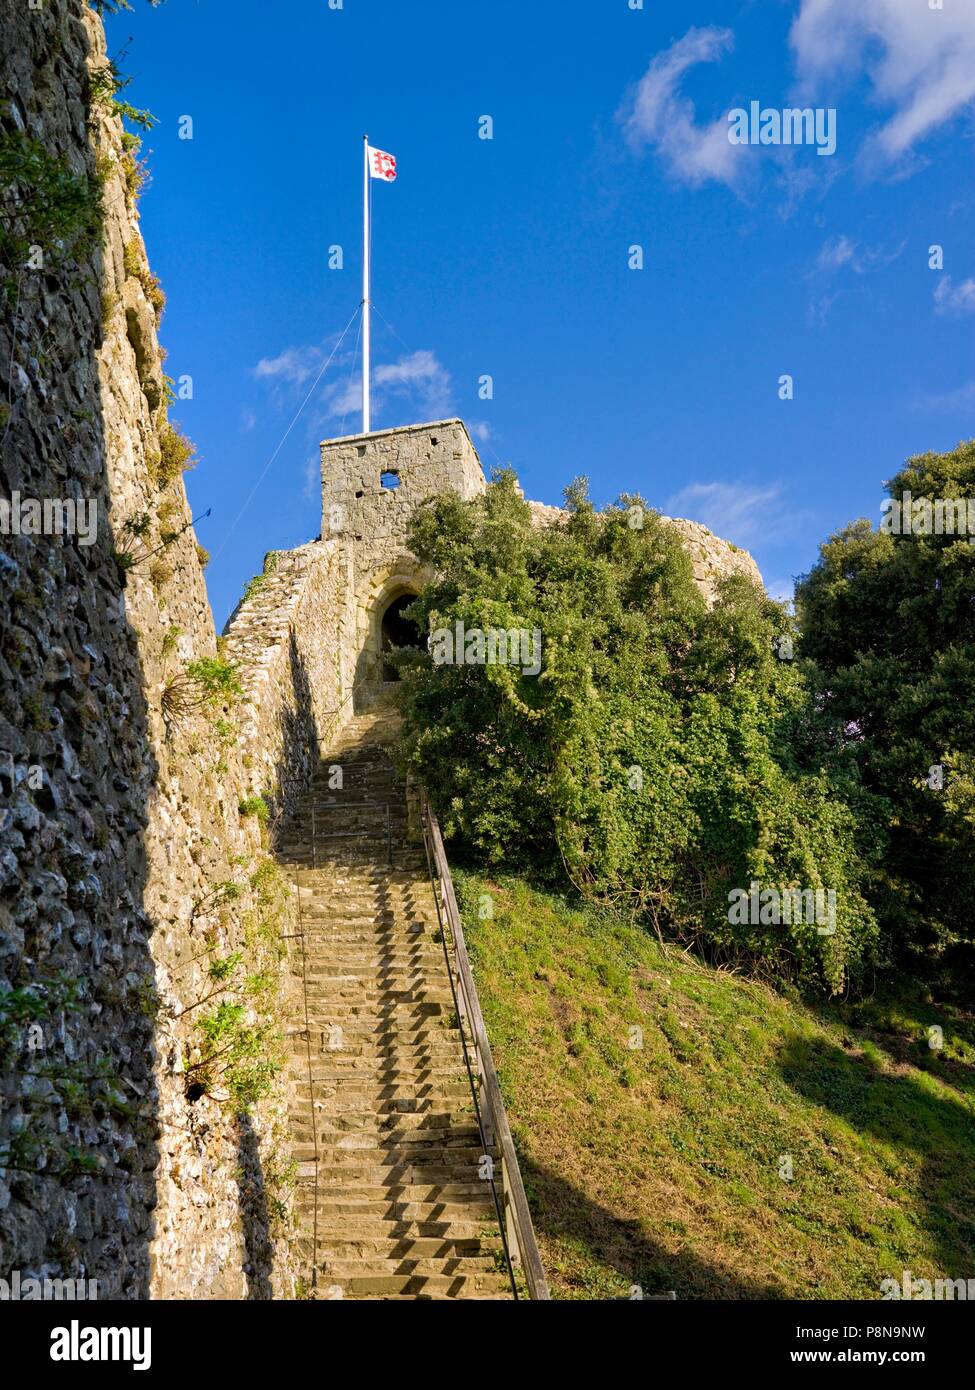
294,421
366,252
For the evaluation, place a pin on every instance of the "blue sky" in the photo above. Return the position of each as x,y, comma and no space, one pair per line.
509,256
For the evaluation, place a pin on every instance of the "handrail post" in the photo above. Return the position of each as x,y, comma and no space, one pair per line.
517,1230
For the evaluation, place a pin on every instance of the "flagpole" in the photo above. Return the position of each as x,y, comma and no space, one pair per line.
365,286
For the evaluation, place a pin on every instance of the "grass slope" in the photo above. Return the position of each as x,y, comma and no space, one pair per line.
660,1166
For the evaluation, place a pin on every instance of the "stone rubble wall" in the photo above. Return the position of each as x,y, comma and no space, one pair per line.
712,559
116,823
427,459
289,639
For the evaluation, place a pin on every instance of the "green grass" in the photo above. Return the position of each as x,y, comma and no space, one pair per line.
658,1166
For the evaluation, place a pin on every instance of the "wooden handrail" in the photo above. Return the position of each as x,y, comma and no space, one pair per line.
519,1233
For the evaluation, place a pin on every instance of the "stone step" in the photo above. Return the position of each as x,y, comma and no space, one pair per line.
438,1079
382,1146
389,992
405,1251
384,1100
396,1052
334,1230
420,1285
334,1073
355,1269
382,1162
417,1201
388,1177
388,1199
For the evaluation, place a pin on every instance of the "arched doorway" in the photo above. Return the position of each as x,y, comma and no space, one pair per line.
397,631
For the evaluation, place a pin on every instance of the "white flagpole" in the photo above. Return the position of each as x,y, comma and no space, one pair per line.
365,287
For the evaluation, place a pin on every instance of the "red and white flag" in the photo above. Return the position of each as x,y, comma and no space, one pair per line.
382,165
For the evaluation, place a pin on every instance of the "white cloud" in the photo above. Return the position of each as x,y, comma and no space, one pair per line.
294,366
736,511
313,478
920,61
782,590
954,299
654,113
820,307
417,381
418,374
842,251
949,400
836,252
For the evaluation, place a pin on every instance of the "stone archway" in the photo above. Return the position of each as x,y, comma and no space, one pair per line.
397,631
379,623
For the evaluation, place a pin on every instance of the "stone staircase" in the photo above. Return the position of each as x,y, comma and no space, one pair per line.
390,1201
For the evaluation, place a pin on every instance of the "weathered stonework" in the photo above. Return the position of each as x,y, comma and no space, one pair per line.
712,559
370,518
289,638
116,824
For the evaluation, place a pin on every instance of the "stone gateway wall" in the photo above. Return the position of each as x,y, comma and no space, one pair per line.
290,639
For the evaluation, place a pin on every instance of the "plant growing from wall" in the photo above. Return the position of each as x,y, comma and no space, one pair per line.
104,84
136,268
48,214
239,1039
176,455
204,684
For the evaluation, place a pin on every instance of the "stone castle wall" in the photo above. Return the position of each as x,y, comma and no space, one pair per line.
121,837
290,638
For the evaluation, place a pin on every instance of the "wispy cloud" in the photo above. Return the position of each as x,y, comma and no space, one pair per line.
820,307
948,400
842,251
954,300
738,512
313,478
782,590
655,114
294,366
920,62
836,252
419,376
417,382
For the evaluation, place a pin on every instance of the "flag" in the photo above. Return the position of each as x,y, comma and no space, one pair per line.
382,165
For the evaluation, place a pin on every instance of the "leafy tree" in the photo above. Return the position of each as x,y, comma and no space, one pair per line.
662,756
888,627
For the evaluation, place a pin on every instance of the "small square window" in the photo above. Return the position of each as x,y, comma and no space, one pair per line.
389,479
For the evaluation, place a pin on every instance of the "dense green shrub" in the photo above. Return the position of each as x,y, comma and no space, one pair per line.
888,629
663,756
